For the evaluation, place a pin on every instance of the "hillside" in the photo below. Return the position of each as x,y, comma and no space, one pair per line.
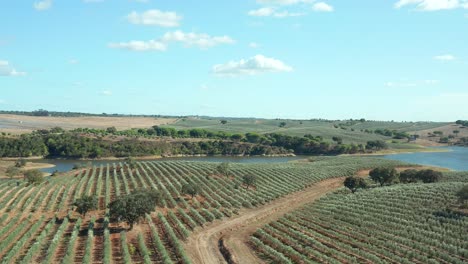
410,223
350,132
37,226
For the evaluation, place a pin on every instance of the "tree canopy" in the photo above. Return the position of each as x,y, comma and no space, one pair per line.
12,171
354,183
191,189
249,180
85,204
223,168
133,207
384,175
33,177
462,194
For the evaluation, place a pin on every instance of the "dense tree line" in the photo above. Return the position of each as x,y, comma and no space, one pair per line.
73,145
306,145
389,176
92,143
462,122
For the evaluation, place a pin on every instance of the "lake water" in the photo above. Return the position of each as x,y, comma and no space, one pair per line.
63,165
455,159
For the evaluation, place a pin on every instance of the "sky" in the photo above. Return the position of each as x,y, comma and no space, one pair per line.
336,59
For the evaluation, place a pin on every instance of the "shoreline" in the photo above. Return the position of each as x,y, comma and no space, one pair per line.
149,157
394,152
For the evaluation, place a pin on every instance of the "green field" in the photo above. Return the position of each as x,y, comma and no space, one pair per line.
326,129
35,228
397,224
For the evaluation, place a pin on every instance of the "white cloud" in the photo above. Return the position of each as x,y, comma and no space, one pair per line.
43,5
445,57
135,45
433,5
264,11
322,7
106,92
155,17
254,45
73,61
93,1
201,40
2,101
283,2
252,66
7,70
270,11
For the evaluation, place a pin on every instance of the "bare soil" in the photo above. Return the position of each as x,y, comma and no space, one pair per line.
18,124
202,246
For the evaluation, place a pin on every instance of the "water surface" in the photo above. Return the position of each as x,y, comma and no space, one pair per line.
63,165
455,159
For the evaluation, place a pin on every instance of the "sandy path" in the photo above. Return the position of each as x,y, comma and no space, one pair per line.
202,246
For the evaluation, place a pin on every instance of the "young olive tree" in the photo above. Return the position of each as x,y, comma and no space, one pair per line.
249,180
223,169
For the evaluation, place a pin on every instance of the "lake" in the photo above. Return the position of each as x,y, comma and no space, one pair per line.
63,165
455,159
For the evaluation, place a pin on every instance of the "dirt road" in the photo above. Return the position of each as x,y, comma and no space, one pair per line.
202,246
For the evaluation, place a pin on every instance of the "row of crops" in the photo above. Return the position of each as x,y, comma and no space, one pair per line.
399,224
37,224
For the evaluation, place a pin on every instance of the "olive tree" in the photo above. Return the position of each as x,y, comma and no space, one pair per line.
223,169
249,180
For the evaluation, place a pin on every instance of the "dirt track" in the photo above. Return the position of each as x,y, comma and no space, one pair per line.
202,246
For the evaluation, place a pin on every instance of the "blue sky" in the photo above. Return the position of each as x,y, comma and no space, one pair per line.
383,60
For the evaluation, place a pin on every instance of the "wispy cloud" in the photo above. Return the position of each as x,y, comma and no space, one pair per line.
445,57
73,61
322,7
7,70
136,45
155,17
283,2
272,12
433,5
254,45
105,92
252,66
43,5
200,40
